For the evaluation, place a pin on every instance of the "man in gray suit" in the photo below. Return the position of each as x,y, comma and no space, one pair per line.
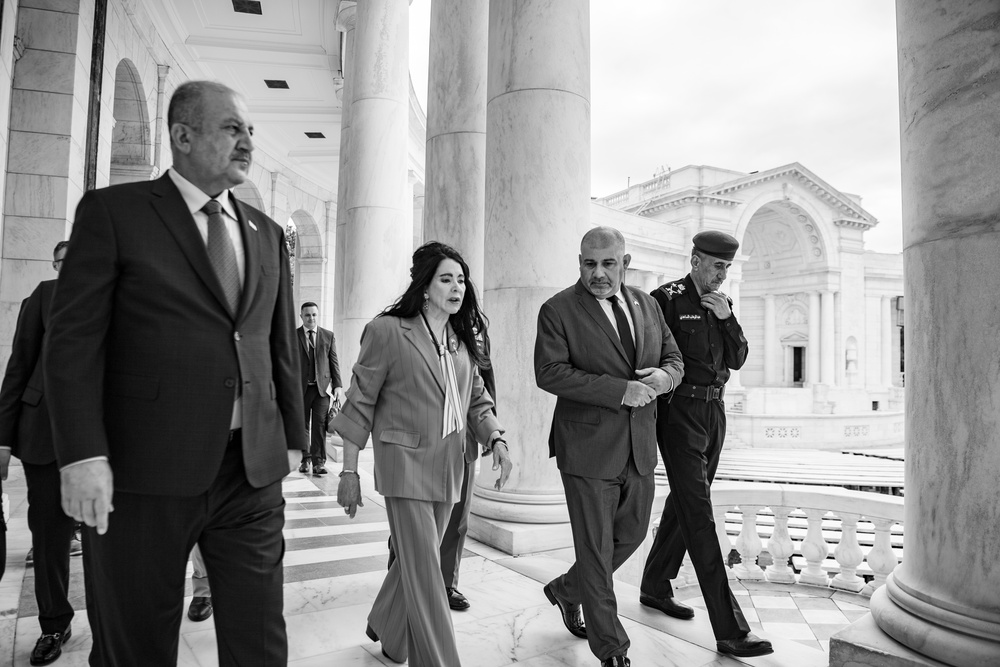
604,350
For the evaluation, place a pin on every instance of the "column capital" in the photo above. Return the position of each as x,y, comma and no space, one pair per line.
347,15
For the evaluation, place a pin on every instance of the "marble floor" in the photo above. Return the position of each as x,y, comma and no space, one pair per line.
334,566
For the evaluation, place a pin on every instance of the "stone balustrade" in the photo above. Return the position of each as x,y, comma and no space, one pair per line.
823,530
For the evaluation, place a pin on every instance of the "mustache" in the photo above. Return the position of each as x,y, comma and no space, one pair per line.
241,155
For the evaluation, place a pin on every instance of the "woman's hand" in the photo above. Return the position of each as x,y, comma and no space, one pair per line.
501,462
349,493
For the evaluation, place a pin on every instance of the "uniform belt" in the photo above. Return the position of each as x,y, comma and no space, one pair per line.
709,393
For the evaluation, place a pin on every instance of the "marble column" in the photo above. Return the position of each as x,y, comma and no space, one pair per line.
537,200
378,232
812,361
943,601
886,361
418,218
770,342
455,172
346,21
826,351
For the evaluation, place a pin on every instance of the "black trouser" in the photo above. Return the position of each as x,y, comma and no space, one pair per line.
317,407
609,519
51,532
135,593
690,433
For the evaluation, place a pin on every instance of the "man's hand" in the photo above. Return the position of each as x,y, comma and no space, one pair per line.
340,395
4,463
656,378
349,494
295,458
717,303
638,394
86,491
501,461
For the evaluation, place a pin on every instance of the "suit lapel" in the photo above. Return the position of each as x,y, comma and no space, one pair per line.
416,333
170,206
251,249
596,312
638,323
302,340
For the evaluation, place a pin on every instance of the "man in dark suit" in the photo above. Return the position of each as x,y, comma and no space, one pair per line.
174,388
25,432
690,428
320,374
604,350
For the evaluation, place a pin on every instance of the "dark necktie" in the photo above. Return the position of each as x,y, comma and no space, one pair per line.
624,331
222,255
312,355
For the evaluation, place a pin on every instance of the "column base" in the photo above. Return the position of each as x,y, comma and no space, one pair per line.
863,644
518,539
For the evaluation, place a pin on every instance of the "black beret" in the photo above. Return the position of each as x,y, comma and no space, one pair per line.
716,244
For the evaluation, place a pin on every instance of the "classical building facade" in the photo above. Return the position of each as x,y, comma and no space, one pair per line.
500,167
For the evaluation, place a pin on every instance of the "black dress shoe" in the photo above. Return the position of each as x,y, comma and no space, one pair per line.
48,648
456,600
616,661
319,470
572,614
304,466
746,646
668,606
200,609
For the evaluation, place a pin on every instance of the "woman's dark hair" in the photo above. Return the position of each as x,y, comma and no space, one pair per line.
469,323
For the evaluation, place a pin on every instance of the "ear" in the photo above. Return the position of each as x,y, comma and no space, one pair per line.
626,259
180,137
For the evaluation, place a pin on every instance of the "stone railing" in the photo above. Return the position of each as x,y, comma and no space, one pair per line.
852,535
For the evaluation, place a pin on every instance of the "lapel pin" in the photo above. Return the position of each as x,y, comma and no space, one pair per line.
252,226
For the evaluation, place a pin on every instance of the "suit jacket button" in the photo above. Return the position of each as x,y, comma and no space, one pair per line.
230,383
236,335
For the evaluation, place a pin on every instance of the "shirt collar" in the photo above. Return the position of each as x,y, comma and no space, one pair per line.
195,198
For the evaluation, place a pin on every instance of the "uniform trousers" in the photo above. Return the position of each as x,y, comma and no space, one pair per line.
317,408
51,532
199,575
135,592
609,519
411,614
690,433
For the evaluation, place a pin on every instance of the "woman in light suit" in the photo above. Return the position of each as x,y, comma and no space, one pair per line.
415,390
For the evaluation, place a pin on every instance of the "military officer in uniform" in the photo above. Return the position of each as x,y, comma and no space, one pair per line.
690,429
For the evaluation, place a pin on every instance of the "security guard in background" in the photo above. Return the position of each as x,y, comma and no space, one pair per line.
690,429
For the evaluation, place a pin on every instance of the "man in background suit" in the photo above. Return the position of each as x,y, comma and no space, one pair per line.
320,373
690,428
26,433
174,388
604,350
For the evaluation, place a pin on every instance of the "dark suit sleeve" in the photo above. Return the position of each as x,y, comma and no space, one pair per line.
671,359
287,375
25,350
334,363
556,373
75,349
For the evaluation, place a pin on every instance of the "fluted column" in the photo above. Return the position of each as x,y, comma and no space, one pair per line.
455,175
886,364
827,353
942,600
770,342
378,231
537,203
346,22
812,362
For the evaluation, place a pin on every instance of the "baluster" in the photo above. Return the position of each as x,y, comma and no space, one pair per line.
749,545
814,550
849,555
780,546
881,558
719,512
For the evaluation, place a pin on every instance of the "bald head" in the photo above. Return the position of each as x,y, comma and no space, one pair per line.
603,261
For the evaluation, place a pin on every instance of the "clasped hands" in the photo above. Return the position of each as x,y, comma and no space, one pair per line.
651,383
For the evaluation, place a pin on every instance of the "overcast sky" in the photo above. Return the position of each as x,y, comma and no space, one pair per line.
741,84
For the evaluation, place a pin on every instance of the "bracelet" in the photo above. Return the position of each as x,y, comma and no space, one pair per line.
349,472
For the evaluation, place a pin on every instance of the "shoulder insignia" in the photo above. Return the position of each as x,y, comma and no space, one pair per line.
673,290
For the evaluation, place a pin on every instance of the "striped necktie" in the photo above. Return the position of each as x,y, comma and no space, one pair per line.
222,255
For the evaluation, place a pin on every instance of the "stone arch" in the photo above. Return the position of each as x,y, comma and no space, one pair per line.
248,193
310,258
131,145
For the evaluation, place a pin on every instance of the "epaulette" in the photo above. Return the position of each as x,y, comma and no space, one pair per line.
673,290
